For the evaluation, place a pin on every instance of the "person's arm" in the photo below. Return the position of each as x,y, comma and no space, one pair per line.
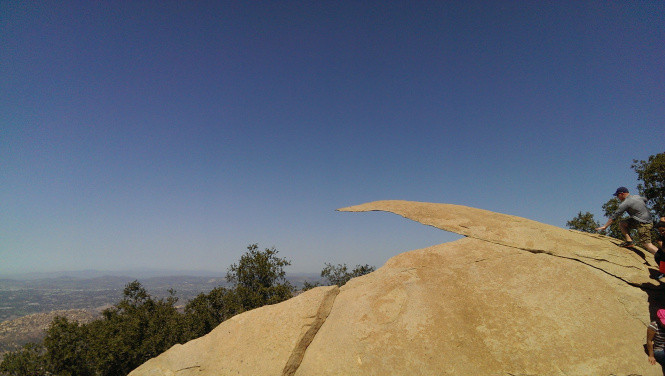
617,214
650,334
609,222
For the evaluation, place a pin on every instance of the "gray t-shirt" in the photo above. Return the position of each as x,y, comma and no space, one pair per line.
636,207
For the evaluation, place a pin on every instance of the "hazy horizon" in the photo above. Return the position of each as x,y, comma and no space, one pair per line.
132,273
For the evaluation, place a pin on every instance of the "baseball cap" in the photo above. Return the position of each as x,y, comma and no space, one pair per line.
621,190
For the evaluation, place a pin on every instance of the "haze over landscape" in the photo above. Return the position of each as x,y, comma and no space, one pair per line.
171,135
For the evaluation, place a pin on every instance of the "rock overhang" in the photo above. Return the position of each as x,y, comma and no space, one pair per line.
594,250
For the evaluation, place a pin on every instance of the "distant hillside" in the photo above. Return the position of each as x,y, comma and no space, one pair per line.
16,333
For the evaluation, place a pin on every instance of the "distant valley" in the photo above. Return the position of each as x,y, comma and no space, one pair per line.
23,297
28,305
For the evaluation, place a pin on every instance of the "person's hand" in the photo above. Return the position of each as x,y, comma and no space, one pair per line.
652,360
601,228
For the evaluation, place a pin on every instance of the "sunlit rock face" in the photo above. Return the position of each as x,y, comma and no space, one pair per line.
515,297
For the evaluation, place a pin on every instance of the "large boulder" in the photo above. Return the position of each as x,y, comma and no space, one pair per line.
516,297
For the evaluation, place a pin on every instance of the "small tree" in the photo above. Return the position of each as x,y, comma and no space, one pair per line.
259,278
651,173
583,222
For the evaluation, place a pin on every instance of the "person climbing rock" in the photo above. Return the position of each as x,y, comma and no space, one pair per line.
639,218
656,340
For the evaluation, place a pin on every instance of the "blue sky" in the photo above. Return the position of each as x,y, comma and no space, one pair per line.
171,134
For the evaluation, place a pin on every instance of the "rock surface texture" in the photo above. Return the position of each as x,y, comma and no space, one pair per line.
515,297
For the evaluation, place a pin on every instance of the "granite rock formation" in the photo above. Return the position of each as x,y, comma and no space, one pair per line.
514,297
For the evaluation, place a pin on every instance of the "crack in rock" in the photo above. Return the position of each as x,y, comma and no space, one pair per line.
541,251
187,368
550,253
306,339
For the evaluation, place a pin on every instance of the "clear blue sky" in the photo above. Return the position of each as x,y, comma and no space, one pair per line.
171,134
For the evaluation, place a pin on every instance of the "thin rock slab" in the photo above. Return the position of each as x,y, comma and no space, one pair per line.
594,250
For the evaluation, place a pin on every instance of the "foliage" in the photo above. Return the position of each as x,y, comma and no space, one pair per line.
67,348
206,311
609,208
28,361
339,274
583,222
651,173
259,278
135,330
310,285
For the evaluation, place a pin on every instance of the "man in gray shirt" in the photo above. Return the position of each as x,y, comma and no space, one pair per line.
639,218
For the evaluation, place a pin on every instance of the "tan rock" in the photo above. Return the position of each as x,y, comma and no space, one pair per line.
516,297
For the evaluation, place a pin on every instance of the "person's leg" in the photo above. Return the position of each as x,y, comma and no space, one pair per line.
651,248
625,230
